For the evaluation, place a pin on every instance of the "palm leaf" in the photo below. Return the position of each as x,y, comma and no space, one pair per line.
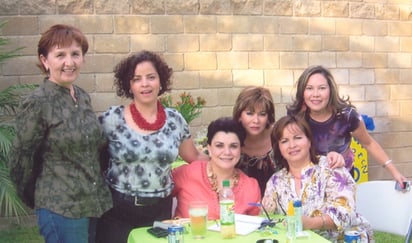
10,97
6,137
10,204
4,55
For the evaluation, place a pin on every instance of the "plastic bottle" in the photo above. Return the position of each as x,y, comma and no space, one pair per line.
290,223
227,211
297,206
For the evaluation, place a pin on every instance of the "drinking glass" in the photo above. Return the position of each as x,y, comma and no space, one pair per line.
198,219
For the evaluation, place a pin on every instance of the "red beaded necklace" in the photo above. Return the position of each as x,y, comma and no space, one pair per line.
143,124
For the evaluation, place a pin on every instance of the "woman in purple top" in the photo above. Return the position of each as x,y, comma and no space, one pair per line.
334,120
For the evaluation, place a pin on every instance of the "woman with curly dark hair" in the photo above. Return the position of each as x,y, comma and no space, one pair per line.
144,139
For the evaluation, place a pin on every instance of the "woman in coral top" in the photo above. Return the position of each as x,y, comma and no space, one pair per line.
202,180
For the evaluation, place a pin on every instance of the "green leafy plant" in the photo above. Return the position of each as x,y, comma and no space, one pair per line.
10,203
187,106
4,55
190,110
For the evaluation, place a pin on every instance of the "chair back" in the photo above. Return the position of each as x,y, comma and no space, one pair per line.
386,209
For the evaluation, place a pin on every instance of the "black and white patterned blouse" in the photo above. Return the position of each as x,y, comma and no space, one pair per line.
140,164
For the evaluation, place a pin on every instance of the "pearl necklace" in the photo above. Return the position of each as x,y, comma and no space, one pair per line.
145,125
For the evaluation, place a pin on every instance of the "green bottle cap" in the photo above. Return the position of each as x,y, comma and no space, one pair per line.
226,183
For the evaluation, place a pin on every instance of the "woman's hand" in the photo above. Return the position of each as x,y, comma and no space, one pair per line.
322,222
398,176
335,160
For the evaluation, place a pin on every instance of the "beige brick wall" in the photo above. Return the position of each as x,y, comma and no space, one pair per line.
218,47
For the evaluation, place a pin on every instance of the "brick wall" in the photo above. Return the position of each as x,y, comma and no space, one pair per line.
216,47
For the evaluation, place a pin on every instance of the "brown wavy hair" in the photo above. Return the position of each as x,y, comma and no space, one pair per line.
255,97
336,103
277,134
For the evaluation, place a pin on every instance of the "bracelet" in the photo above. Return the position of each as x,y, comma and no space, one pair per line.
323,222
386,163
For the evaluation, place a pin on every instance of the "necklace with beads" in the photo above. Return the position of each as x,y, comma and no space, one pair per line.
213,178
145,125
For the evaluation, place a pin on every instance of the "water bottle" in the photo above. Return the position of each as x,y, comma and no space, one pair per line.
290,223
227,211
297,206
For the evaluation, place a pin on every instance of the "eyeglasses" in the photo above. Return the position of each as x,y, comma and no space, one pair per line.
280,205
268,222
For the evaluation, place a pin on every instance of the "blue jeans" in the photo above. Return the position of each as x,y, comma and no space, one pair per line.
56,228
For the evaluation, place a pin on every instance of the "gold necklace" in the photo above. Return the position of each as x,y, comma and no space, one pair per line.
213,178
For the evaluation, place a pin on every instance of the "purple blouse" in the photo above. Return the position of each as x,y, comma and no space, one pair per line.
335,134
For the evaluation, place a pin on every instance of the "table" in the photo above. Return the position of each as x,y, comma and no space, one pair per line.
140,235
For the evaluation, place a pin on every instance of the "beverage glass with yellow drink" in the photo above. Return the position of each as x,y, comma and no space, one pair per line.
198,219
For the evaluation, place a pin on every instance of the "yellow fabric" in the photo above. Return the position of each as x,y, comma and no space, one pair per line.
360,162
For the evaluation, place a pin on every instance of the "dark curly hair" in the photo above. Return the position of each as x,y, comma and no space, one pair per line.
226,124
124,72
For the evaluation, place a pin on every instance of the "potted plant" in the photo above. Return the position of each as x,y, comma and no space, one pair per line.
187,106
190,110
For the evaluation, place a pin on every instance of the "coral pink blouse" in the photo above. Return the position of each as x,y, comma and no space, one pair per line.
192,184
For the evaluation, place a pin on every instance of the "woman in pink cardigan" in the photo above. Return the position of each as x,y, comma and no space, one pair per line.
202,180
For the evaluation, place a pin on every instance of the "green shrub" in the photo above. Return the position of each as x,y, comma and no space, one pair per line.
10,204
